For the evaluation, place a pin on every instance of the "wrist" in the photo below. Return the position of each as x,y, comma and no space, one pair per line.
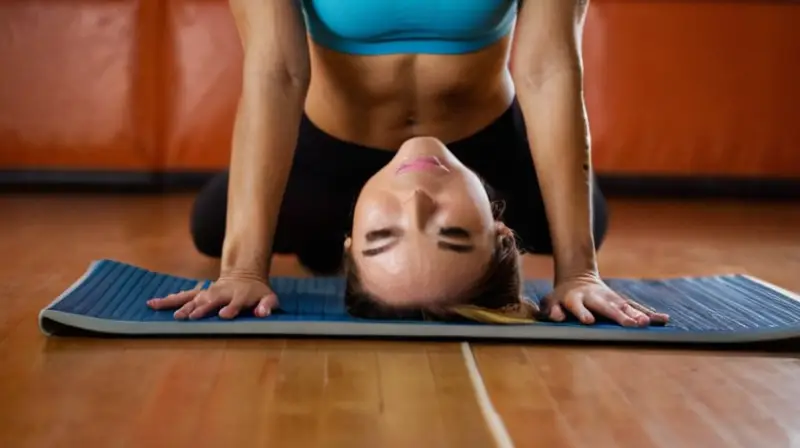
243,259
582,264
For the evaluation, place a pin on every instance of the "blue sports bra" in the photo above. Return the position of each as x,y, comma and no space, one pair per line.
372,27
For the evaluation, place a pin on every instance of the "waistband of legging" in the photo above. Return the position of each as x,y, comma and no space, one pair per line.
323,153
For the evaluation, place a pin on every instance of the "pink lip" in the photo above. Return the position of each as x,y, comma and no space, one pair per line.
421,164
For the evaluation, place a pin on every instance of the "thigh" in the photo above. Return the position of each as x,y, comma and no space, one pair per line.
312,214
315,211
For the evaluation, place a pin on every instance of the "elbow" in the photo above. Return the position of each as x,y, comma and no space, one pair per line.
297,79
290,76
295,72
534,77
286,77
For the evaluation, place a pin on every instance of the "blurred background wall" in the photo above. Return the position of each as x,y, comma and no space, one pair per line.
145,91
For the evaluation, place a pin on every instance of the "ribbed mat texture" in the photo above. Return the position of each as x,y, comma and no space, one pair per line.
117,292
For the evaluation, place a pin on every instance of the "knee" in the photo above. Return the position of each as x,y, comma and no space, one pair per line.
207,218
599,217
206,239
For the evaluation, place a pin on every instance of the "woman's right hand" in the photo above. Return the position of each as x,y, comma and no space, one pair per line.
229,295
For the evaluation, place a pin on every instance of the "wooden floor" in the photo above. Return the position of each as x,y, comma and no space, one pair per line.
306,393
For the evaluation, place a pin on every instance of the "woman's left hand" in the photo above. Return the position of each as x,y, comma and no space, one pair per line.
586,294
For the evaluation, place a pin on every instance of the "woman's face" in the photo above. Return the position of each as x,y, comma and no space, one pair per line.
423,229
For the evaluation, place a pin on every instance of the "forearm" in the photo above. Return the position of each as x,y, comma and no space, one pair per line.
264,140
558,132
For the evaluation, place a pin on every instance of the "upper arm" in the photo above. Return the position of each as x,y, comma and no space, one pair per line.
273,37
547,38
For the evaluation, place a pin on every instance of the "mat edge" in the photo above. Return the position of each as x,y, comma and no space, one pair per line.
779,289
309,328
67,319
87,273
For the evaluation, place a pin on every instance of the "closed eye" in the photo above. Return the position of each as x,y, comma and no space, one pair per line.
460,248
379,235
455,233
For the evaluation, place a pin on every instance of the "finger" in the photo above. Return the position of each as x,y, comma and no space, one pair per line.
656,318
232,309
205,303
641,318
556,313
184,311
173,300
265,305
611,306
549,308
575,304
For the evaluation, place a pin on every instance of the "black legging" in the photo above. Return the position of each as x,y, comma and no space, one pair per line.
328,174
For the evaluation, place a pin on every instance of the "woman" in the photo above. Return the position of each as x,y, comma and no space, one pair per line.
322,117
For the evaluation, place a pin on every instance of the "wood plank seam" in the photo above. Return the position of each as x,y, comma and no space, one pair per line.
493,420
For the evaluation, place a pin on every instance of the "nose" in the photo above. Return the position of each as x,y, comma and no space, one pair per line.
421,208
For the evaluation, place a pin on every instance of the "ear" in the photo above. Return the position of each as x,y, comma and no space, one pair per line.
348,243
502,229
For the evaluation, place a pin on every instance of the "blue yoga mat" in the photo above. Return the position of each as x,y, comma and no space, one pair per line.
110,298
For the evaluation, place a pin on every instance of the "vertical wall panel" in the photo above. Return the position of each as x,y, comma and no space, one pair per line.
71,94
203,84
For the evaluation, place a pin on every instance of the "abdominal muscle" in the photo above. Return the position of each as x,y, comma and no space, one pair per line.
381,101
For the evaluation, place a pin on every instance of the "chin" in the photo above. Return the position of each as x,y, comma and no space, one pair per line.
422,146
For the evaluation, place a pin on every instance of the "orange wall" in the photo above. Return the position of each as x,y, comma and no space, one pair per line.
694,87
78,83
672,87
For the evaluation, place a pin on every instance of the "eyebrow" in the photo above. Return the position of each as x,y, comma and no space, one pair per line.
449,232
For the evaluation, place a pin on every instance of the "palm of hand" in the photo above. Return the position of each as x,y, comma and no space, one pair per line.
588,295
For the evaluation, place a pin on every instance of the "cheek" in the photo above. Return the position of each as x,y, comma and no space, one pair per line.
469,199
374,208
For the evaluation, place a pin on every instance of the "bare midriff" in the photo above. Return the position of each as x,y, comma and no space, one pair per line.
381,101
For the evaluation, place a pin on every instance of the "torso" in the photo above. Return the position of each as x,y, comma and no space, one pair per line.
380,81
